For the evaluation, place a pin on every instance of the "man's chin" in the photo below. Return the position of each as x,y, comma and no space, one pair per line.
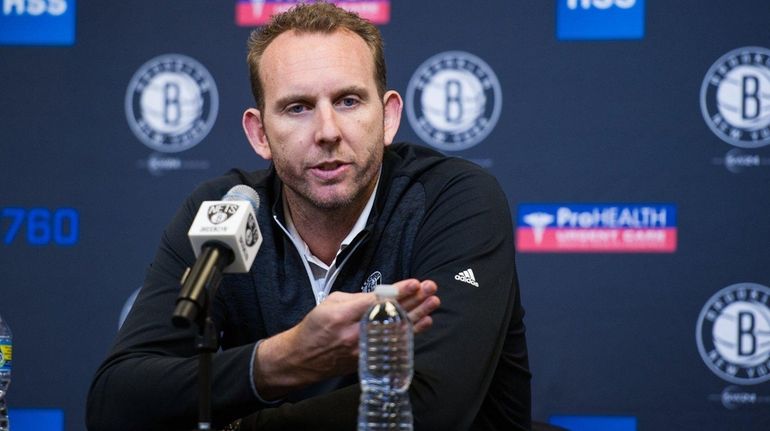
334,198
331,203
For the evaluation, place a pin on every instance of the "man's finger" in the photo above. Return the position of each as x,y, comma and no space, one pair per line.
423,324
423,310
424,290
406,288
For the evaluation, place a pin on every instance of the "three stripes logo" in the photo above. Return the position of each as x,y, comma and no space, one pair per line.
467,277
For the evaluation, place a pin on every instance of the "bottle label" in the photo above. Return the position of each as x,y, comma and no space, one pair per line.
6,354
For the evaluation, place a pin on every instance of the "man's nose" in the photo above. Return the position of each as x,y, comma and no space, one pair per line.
327,124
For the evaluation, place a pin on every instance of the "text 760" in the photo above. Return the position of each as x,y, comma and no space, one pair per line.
41,225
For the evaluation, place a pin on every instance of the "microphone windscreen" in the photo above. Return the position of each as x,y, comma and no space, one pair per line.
242,192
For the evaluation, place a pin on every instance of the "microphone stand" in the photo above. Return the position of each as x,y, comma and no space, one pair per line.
199,285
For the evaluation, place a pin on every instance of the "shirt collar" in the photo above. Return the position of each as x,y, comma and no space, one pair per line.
357,227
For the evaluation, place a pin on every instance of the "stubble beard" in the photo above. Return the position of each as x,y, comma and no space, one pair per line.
341,200
300,189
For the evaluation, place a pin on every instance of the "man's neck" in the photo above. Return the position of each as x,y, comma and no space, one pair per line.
324,229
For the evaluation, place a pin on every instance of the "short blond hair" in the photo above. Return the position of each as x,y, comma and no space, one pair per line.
318,17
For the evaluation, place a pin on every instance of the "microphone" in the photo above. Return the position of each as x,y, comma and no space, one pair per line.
225,237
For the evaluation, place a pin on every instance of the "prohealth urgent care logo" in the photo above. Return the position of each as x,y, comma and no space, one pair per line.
257,12
596,228
733,333
37,22
599,19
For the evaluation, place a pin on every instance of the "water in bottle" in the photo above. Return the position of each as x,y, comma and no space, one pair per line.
385,365
6,355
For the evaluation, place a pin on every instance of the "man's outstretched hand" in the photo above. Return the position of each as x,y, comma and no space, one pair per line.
325,342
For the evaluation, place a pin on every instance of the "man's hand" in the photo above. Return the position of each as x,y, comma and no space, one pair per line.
325,342
419,300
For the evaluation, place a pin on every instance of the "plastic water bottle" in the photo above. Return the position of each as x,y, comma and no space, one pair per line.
6,355
385,365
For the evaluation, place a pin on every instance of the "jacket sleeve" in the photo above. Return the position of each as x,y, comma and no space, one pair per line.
471,367
149,379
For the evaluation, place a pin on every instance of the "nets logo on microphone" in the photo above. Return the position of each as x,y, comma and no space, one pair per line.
219,213
599,19
596,228
230,223
251,232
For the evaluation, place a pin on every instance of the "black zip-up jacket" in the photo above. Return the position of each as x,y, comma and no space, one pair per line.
434,217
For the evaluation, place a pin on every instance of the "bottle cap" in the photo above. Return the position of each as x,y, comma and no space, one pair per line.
386,290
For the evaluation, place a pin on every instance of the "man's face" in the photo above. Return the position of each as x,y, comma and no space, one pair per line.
323,125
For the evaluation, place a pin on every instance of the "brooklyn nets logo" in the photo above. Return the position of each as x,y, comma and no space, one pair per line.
453,100
220,213
252,232
372,281
735,97
733,333
171,103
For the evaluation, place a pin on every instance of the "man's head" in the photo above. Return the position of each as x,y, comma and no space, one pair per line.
323,116
314,18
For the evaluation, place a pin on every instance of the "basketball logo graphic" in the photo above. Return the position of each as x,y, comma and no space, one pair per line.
373,280
735,97
733,333
252,232
171,103
453,100
220,213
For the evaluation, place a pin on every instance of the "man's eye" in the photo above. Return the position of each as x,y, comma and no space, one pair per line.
349,102
295,109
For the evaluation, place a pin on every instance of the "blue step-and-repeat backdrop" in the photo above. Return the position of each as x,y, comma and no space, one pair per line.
632,139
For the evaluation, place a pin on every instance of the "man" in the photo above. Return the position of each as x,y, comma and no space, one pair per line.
341,210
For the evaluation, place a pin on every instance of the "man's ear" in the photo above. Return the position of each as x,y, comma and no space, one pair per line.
254,128
392,105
